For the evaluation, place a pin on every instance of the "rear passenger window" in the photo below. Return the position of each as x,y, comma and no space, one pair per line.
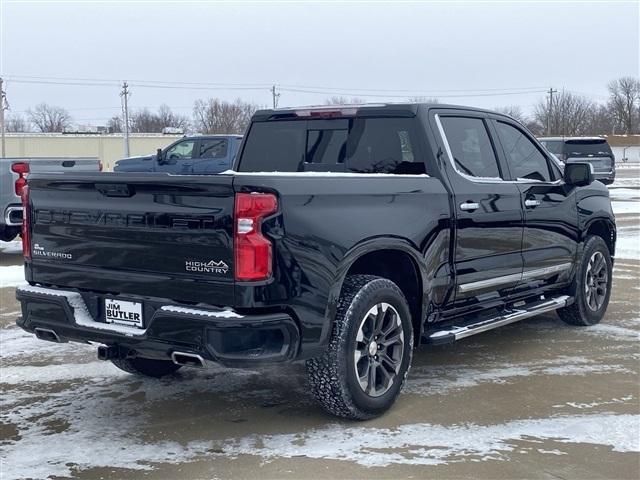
471,147
213,148
523,157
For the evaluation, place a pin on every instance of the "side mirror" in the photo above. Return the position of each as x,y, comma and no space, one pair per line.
578,174
159,156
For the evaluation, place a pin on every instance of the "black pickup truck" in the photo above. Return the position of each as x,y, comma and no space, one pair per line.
344,236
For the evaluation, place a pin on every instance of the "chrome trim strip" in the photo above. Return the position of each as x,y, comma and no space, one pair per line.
490,282
515,277
542,272
483,179
517,315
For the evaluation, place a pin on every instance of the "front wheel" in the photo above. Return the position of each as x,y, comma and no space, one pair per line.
361,374
592,285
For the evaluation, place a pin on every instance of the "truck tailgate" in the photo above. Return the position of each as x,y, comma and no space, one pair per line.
149,234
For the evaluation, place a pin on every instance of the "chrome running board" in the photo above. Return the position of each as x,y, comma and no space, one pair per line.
461,330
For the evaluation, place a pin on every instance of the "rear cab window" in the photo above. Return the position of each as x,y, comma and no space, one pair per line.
351,145
582,147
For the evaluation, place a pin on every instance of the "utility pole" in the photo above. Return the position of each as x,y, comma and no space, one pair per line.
4,105
275,96
551,91
124,94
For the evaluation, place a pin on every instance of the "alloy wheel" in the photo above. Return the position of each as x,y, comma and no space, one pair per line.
596,281
379,349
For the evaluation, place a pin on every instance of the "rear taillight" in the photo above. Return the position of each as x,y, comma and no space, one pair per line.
22,169
253,251
100,166
26,223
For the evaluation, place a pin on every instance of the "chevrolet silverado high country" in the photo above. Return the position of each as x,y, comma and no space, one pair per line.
344,236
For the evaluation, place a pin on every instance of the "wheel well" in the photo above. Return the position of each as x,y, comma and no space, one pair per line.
603,229
401,269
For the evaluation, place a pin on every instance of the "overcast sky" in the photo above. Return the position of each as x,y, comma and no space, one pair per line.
374,51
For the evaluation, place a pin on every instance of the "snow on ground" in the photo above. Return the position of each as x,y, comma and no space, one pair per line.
11,247
11,276
625,208
628,244
624,193
426,444
411,444
445,380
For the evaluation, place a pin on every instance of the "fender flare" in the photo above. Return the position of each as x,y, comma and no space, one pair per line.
358,251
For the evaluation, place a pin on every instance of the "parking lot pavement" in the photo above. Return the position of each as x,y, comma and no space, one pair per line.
535,399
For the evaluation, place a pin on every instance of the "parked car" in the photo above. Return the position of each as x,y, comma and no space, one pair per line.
344,237
189,155
13,177
593,150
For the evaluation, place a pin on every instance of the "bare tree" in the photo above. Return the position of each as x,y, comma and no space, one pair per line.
48,118
16,123
145,121
339,100
624,100
514,111
218,116
568,115
601,121
114,124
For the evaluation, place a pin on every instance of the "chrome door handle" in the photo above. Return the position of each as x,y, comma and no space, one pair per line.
530,203
469,206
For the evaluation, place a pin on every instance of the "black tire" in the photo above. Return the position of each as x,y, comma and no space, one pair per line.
581,313
146,366
333,377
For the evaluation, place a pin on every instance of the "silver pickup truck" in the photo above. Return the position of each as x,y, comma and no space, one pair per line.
13,176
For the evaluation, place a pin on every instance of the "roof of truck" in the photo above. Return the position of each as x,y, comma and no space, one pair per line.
564,139
405,108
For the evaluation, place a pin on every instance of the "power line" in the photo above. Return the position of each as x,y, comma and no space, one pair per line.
292,88
93,81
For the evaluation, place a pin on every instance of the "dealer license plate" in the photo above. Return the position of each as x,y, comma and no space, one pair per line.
123,313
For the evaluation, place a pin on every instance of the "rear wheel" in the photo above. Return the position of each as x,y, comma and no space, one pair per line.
592,285
146,366
365,366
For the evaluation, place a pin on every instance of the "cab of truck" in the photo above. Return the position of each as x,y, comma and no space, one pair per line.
201,154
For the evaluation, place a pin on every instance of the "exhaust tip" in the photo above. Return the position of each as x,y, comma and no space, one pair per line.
108,352
47,334
187,359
